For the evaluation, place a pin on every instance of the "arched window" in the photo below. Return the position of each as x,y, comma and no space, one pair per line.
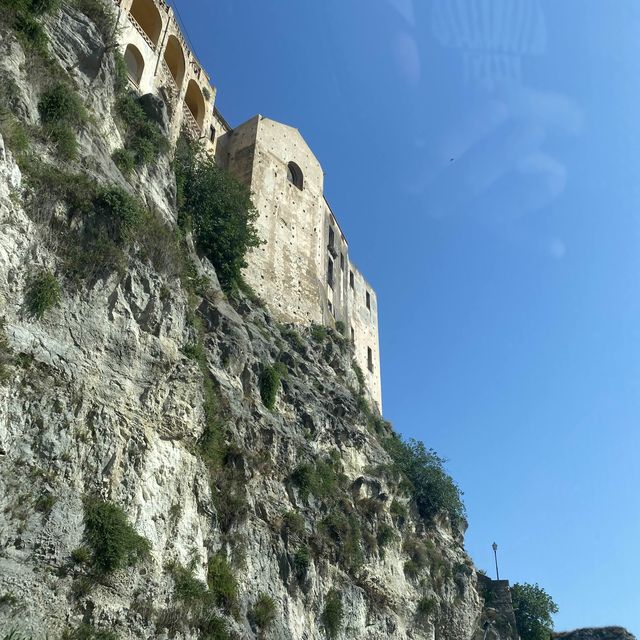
174,58
294,175
195,102
146,14
135,63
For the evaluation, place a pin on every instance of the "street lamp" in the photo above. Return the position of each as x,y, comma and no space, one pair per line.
494,546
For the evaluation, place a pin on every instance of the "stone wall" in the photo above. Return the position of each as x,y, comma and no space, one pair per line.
498,621
302,271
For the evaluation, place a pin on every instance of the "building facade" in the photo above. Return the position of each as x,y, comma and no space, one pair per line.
303,270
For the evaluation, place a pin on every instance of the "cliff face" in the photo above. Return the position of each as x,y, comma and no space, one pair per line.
133,391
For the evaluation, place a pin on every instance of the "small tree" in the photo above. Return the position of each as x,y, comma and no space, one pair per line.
533,607
218,209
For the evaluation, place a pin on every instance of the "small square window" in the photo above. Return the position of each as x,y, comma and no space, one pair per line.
330,272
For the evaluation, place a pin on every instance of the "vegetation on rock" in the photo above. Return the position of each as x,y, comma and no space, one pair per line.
114,543
533,608
219,211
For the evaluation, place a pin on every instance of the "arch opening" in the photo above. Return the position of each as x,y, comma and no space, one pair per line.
174,59
146,15
294,175
135,63
195,102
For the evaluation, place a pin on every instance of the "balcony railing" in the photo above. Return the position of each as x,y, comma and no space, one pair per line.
190,123
169,83
142,32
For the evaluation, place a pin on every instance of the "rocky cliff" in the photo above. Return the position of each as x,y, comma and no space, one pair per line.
145,488
174,463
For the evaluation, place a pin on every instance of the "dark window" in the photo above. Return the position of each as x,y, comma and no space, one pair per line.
353,335
212,133
368,300
342,261
369,359
330,272
294,175
332,242
351,279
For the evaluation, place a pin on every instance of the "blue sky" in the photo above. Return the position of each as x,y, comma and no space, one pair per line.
482,157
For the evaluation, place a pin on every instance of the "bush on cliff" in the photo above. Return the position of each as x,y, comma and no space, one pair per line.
533,608
219,211
432,488
114,543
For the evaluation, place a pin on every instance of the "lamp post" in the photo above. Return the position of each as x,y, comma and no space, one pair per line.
494,546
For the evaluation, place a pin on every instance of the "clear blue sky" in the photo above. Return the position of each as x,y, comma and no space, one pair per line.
498,217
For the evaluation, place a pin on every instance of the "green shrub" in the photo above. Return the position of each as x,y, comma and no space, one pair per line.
386,535
45,503
318,332
124,160
187,588
101,14
119,211
293,338
292,523
333,614
88,632
533,608
320,479
426,607
269,385
218,209
263,612
31,34
81,555
340,327
359,375
61,104
432,489
343,529
42,294
114,543
222,582
143,137
301,562
13,131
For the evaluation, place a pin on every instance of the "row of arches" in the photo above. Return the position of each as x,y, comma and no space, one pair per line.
147,16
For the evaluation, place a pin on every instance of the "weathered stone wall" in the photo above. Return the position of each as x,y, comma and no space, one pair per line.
498,621
363,321
302,271
285,270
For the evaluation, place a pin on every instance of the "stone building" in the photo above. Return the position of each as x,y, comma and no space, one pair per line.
303,271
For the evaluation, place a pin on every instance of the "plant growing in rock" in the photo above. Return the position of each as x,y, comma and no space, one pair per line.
332,614
263,612
61,111
42,294
270,383
222,583
533,608
302,562
143,137
425,608
114,543
219,211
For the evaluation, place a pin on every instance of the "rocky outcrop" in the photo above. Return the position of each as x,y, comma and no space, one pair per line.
106,396
598,633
